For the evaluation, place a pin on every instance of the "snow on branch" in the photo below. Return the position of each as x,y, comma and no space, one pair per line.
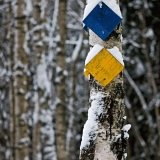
141,98
78,47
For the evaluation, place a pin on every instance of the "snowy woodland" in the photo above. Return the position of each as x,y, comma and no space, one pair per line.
44,96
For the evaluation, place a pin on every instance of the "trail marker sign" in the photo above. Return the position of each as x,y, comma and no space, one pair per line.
102,20
104,67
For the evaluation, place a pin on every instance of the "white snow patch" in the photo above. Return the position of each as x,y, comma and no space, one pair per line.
18,73
35,117
77,48
4,114
46,116
117,54
117,137
39,155
50,155
37,28
48,149
18,65
29,7
100,4
121,38
97,48
149,33
110,3
126,135
126,128
42,78
58,69
125,155
7,153
125,117
2,72
23,117
24,140
91,126
25,83
26,158
22,91
39,44
26,48
65,73
32,21
57,38
26,70
94,51
28,95
134,43
43,7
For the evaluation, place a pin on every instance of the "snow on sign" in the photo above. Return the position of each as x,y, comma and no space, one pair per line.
102,20
104,65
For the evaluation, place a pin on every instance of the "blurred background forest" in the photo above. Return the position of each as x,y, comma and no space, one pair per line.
44,96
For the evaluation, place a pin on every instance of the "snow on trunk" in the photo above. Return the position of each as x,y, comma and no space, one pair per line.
103,135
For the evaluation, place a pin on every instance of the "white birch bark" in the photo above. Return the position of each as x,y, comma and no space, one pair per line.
19,125
105,139
60,84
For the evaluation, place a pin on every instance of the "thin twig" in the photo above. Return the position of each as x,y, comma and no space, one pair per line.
135,128
140,96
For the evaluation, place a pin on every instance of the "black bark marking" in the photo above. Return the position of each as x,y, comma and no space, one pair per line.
119,145
88,153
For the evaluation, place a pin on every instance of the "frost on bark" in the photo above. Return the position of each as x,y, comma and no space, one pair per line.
104,136
19,125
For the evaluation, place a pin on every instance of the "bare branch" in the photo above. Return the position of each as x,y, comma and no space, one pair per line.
140,96
135,127
78,47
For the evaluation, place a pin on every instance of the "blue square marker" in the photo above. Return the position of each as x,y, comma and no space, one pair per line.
102,20
85,28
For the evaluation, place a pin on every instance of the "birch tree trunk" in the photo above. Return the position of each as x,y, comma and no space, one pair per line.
11,66
39,49
42,132
60,81
19,124
106,138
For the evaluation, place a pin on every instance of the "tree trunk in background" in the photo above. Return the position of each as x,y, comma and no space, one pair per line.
4,85
60,82
19,125
40,101
11,87
108,141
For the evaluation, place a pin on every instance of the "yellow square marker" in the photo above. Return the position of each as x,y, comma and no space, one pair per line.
104,67
86,73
